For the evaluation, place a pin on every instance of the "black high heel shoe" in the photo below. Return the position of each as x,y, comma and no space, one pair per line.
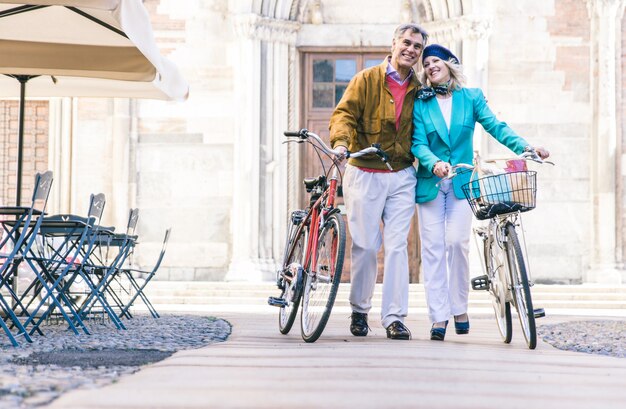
461,327
438,334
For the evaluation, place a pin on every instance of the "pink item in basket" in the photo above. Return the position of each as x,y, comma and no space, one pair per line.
516,165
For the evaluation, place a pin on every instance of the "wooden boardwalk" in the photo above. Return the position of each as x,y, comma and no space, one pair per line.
257,367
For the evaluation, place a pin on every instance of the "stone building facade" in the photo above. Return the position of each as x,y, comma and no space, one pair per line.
214,167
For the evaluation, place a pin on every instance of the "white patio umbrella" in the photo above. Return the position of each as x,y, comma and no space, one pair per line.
81,48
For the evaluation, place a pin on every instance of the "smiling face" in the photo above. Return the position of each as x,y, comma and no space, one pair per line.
406,51
436,70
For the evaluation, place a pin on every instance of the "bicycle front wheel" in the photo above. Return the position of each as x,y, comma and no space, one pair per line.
320,288
496,266
520,287
292,291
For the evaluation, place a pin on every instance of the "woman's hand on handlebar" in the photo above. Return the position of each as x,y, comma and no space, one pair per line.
542,152
441,169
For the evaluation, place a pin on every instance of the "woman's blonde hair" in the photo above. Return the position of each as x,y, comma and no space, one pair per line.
457,78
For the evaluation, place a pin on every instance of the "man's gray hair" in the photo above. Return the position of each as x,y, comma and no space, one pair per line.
414,28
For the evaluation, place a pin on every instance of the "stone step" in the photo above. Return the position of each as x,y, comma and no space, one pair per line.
538,295
482,302
256,294
174,287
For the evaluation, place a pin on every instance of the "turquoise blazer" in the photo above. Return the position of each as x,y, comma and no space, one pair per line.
433,142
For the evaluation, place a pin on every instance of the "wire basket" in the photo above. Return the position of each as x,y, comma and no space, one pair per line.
500,194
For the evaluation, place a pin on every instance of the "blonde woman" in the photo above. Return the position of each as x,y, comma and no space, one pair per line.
444,116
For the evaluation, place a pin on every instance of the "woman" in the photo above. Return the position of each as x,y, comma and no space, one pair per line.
444,116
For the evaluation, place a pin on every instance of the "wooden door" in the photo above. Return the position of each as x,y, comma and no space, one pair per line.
326,76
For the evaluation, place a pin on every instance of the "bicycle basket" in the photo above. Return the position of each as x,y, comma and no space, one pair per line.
499,194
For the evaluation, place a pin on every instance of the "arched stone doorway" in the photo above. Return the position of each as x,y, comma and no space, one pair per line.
272,36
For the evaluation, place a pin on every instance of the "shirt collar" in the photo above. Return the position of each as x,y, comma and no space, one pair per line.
393,73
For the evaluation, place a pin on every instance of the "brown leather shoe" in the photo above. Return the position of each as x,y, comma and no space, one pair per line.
358,324
397,330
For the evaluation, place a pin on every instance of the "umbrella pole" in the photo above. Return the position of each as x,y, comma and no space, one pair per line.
20,138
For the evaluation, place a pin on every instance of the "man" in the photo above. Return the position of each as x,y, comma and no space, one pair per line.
377,107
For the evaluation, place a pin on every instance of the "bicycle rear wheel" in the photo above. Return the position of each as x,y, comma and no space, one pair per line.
520,287
292,291
320,288
494,258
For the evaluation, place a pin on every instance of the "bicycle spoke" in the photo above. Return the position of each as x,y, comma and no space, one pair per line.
498,290
321,286
292,291
520,287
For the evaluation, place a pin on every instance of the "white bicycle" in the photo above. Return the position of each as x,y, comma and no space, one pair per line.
501,198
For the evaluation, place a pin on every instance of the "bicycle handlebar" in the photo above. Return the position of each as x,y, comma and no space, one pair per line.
527,155
375,148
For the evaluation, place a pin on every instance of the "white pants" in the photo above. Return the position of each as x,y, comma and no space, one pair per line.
372,197
445,228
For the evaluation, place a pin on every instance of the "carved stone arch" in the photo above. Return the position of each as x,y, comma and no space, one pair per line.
301,10
270,33
424,11
455,8
282,9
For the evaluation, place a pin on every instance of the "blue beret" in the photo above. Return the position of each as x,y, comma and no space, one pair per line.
437,50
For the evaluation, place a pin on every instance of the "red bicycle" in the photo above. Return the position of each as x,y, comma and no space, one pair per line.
315,246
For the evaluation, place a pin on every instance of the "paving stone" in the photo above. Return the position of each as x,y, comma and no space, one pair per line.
35,374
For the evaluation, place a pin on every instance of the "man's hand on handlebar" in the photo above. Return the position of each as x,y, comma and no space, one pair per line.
341,152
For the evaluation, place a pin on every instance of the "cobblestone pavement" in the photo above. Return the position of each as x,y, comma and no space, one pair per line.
35,374
602,337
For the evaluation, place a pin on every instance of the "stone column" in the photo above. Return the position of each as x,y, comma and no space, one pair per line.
475,35
259,197
118,202
605,48
60,154
245,216
468,37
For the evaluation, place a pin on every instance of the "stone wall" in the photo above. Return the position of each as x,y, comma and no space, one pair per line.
172,160
539,84
185,150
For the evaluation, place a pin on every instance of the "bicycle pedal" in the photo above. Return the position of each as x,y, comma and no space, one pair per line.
539,312
277,302
480,283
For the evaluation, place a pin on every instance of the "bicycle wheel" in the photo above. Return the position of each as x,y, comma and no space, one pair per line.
320,287
494,258
520,287
292,291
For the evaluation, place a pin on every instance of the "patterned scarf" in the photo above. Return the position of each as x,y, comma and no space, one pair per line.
429,92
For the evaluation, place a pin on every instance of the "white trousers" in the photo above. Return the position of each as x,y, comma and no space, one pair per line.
445,228
369,198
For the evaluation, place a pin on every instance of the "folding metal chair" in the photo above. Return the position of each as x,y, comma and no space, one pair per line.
103,268
20,232
138,285
67,241
123,245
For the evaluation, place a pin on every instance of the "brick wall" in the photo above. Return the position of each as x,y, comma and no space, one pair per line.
35,147
571,20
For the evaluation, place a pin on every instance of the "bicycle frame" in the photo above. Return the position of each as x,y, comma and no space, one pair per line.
315,219
493,232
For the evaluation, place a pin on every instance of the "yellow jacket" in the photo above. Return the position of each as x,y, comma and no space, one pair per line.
366,115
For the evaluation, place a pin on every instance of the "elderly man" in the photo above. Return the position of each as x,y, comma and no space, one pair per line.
377,107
